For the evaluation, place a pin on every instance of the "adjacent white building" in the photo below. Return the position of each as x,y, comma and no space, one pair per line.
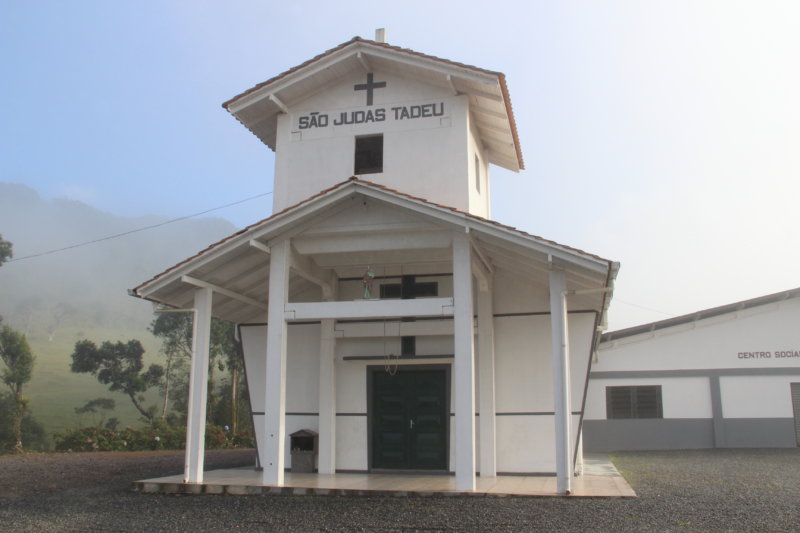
725,377
380,305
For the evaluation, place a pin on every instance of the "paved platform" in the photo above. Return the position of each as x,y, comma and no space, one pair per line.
600,479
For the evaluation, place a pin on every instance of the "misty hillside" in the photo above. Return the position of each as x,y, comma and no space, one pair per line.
60,298
86,286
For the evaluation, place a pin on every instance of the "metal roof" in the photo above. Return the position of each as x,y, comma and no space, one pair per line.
700,315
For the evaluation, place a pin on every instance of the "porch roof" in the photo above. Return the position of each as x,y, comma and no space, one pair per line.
237,267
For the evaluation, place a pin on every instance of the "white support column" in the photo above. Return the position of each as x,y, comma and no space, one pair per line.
464,363
561,384
579,456
275,392
327,398
198,388
488,460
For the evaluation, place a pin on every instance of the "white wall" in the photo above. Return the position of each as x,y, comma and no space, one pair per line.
715,342
681,397
523,369
430,157
757,396
525,440
740,350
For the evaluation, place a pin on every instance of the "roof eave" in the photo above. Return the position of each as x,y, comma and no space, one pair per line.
273,85
278,222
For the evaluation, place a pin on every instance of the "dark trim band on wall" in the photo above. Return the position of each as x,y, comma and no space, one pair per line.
541,313
394,358
698,373
526,413
443,275
533,413
299,323
261,413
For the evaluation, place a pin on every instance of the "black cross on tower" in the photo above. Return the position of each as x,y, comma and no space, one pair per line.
369,86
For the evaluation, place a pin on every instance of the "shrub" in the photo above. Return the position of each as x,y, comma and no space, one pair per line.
159,436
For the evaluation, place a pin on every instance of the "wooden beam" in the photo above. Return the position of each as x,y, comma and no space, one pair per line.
258,245
370,242
463,364
278,103
274,436
481,275
198,387
363,60
369,309
307,269
484,260
452,85
394,328
222,290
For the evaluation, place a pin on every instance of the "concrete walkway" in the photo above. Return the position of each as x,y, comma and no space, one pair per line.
600,479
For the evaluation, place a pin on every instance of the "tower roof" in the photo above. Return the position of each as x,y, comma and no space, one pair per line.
258,107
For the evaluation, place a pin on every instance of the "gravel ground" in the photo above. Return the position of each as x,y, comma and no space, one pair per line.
710,490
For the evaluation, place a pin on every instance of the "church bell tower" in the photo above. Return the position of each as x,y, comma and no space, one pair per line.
418,124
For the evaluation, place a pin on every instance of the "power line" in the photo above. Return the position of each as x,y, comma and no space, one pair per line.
137,230
643,307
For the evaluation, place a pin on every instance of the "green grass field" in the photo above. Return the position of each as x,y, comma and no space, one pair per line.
55,391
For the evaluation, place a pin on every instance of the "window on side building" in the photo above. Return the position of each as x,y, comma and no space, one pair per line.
643,401
369,154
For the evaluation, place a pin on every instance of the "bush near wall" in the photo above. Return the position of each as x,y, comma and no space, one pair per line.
158,437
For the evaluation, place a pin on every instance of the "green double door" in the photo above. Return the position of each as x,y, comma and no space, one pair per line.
409,419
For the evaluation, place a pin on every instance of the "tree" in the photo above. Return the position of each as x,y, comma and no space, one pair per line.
34,436
120,366
6,252
175,332
96,407
18,360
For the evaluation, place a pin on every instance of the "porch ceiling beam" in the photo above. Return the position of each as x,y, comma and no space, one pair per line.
222,290
481,275
306,268
487,265
260,246
372,242
369,309
394,328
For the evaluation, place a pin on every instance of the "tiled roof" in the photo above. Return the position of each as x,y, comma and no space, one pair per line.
500,76
375,186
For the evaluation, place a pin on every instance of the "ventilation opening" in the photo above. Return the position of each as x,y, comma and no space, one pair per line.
369,154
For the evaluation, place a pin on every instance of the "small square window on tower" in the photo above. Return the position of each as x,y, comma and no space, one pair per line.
369,154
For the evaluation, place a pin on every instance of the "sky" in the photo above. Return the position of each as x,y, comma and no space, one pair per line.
661,134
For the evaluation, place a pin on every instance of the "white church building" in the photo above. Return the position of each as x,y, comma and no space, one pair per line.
381,306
